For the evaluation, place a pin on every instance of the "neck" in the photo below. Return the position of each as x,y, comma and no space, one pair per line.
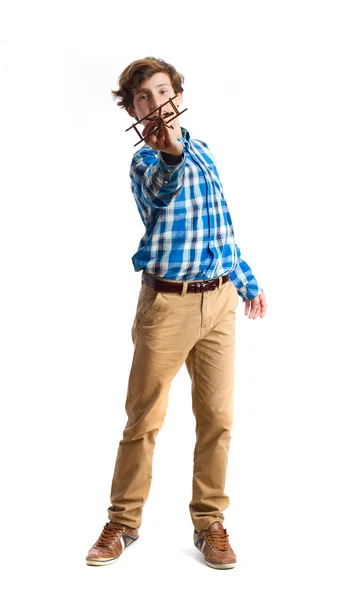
177,129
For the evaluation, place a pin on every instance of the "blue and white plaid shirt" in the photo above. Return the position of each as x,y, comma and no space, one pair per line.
189,233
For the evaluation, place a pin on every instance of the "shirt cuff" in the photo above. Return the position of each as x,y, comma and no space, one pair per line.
170,159
249,294
167,170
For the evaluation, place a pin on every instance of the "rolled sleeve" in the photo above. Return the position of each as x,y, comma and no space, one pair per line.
156,183
243,279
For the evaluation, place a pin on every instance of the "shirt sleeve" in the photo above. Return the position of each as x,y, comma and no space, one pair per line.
243,279
154,182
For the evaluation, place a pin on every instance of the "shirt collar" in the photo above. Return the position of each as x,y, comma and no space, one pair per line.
185,135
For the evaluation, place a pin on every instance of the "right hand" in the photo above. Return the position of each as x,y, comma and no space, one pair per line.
166,143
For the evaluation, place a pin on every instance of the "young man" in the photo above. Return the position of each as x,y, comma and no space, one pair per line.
192,278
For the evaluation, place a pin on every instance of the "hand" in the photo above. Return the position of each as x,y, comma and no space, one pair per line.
257,305
166,143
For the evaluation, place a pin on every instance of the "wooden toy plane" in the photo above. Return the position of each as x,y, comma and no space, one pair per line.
161,119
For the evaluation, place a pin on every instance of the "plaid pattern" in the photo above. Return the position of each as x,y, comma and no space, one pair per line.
189,233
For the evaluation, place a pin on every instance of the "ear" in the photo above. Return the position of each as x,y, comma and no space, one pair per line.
130,110
179,99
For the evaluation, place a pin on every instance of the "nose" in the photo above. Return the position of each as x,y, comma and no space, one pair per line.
156,102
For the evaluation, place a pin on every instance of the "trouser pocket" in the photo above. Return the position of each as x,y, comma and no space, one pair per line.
148,300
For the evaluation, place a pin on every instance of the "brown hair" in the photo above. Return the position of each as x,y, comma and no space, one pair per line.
138,71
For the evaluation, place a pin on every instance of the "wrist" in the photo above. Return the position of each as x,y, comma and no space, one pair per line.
175,151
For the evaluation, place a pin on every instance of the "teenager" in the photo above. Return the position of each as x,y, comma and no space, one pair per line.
192,278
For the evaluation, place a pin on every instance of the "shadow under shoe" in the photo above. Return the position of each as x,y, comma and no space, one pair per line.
214,544
114,539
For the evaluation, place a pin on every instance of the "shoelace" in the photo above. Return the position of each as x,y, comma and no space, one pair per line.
218,540
109,534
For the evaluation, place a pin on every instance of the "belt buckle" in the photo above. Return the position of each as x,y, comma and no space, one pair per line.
203,286
198,285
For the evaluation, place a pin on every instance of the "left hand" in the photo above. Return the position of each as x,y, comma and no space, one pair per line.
256,307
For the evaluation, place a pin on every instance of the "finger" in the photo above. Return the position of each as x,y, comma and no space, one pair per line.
255,307
164,140
151,140
149,127
161,136
146,129
263,306
168,134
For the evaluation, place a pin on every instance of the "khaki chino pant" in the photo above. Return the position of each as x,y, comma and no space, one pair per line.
168,330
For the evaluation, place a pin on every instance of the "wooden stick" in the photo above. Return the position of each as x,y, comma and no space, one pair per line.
153,111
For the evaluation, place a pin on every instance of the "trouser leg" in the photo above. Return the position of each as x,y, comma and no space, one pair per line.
146,406
161,346
210,364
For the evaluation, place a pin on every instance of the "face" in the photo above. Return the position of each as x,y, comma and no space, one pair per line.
153,92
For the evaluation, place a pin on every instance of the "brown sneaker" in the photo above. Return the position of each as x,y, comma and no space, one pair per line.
214,544
113,540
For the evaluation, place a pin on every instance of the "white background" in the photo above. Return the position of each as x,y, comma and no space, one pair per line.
272,88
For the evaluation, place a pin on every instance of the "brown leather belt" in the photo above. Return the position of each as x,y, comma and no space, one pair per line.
176,288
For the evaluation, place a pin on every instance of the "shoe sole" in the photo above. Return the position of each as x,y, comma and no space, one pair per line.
103,563
217,565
